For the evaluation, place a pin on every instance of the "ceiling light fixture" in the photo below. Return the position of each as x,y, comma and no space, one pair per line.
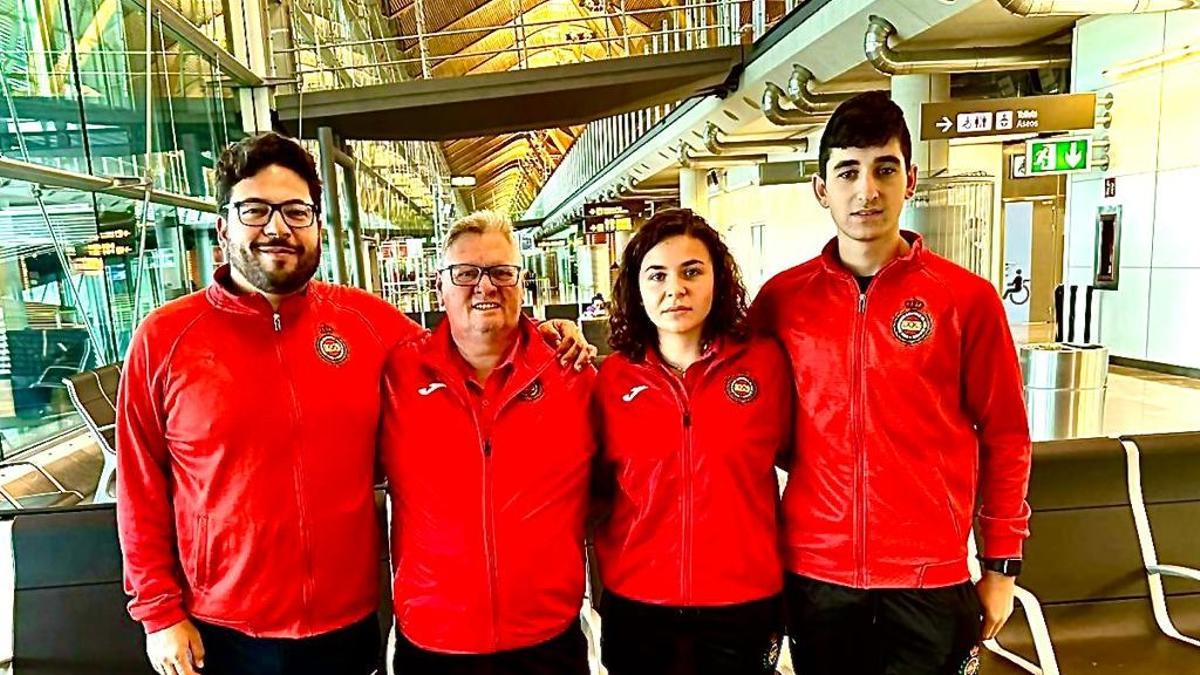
1168,57
1069,7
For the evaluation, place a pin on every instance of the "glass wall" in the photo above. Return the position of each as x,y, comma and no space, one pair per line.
87,89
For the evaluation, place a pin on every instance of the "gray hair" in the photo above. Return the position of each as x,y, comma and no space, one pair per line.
480,222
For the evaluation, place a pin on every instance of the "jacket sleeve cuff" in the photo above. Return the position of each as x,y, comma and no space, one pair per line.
162,617
1006,545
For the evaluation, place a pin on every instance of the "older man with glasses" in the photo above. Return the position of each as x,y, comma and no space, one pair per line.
246,444
489,490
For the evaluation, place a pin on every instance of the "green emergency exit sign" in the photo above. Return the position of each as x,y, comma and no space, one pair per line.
1058,155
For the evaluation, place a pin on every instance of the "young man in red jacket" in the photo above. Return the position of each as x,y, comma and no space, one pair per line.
246,443
487,522
909,414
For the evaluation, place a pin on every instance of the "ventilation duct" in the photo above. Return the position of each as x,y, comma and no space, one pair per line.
772,107
627,191
1076,7
801,94
712,141
972,59
689,161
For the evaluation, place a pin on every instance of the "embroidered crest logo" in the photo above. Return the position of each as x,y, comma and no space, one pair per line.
741,389
331,346
912,324
771,657
971,665
533,392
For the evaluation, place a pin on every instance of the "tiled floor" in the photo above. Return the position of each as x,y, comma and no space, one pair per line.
1145,402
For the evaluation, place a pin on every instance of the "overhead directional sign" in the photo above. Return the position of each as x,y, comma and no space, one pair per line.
1058,155
999,116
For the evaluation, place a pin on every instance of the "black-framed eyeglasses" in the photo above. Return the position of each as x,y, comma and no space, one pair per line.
464,274
296,213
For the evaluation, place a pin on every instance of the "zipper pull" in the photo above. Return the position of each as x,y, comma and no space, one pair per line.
862,303
487,448
687,419
278,323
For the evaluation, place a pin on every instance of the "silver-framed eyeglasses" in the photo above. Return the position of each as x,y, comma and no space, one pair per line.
296,213
464,274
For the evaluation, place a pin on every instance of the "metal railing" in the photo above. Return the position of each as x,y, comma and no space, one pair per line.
600,143
603,140
330,53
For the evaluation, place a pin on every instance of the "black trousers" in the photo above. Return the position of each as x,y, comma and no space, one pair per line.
353,650
848,631
565,654
639,638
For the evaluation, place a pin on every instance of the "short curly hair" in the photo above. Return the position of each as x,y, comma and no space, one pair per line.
632,331
252,154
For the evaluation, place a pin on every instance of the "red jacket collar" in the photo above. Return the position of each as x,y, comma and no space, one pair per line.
720,350
529,355
833,263
221,294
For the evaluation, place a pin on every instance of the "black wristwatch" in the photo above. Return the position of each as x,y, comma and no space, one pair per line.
1009,567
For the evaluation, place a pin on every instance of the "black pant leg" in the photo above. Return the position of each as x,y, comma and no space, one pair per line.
562,655
410,659
565,654
638,638
742,639
933,631
830,628
353,650
228,652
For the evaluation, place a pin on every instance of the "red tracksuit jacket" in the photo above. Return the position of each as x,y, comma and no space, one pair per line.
909,413
692,466
488,500
246,457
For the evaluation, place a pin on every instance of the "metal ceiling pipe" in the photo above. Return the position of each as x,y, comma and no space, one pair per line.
690,161
1074,7
973,59
772,108
629,192
800,93
712,141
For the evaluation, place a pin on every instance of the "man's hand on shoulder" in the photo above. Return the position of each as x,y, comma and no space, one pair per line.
571,346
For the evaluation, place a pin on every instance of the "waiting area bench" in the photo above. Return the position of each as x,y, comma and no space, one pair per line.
1093,597
60,577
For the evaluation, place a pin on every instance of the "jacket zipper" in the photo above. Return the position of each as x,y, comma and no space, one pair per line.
489,524
688,496
685,562
857,408
860,446
297,473
489,536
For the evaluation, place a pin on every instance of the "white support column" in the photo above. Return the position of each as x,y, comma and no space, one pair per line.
251,44
909,92
693,191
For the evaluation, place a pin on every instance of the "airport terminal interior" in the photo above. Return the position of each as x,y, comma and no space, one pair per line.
1057,148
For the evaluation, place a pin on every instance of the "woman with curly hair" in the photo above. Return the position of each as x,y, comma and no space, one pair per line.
694,414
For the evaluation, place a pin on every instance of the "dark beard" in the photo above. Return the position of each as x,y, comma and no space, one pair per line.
268,279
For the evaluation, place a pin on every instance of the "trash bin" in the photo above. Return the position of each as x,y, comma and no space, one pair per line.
1064,389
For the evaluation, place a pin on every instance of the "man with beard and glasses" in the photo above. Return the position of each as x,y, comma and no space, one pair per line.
246,443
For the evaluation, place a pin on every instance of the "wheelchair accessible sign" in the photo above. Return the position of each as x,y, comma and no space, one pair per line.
1049,156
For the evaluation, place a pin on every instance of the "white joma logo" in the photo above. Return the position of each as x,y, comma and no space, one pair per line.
634,392
433,386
